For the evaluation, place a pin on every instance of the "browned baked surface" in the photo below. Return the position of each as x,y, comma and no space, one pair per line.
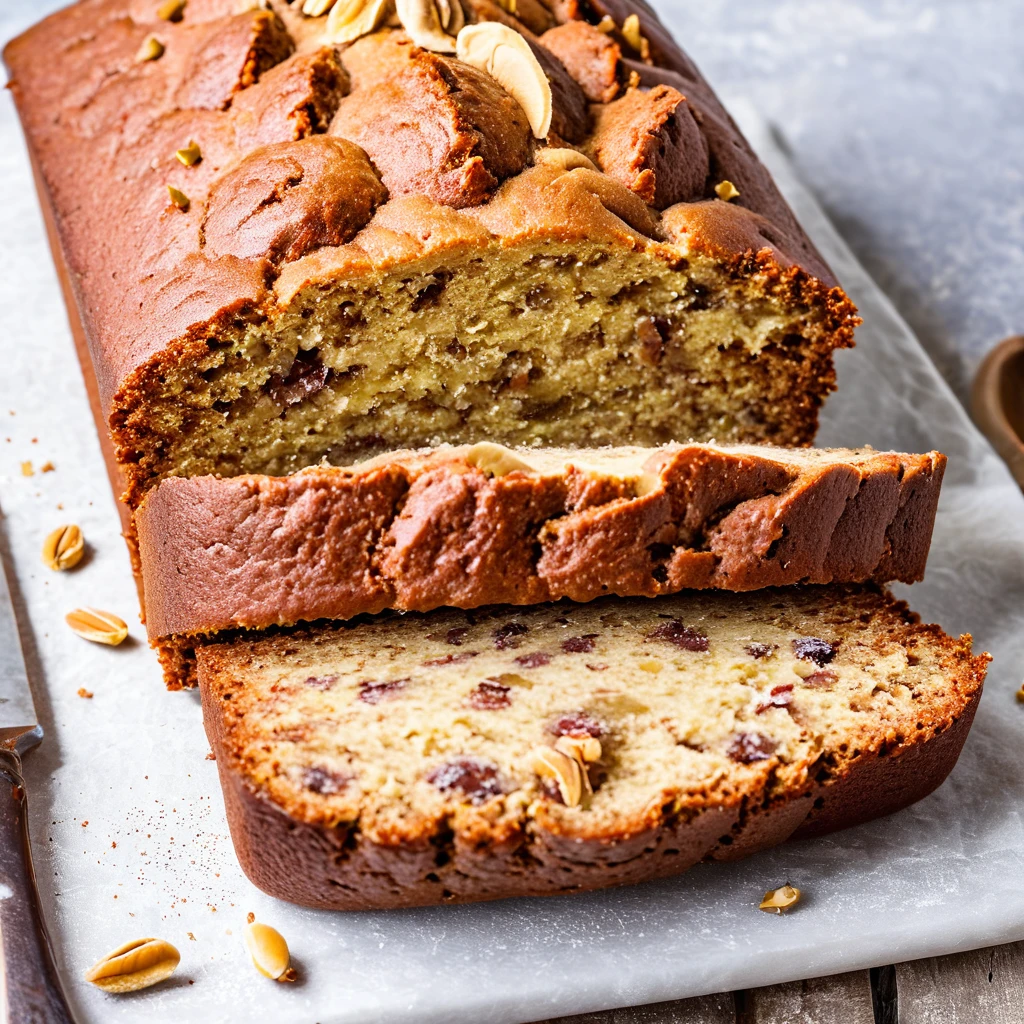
385,764
471,526
305,188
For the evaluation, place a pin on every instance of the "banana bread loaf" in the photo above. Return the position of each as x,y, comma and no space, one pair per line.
457,756
294,237
478,525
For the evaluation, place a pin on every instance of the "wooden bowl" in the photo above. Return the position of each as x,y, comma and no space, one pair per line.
997,402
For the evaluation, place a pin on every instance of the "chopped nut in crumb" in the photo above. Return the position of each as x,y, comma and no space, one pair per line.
564,770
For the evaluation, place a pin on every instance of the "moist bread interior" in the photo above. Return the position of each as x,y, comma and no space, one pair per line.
541,343
696,700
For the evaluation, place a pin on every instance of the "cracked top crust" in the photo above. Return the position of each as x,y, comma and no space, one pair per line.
482,524
103,128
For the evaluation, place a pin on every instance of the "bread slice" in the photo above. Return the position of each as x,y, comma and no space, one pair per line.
374,251
470,526
456,756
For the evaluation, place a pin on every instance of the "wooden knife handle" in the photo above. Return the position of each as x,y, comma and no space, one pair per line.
30,985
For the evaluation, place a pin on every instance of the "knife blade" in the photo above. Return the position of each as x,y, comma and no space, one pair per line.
19,726
30,988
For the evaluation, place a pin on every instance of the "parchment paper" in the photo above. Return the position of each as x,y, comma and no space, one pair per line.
128,825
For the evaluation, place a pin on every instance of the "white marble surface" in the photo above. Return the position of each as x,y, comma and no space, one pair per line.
155,858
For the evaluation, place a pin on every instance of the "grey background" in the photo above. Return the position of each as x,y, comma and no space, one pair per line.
905,118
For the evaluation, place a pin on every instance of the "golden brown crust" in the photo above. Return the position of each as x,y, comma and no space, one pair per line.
418,531
294,856
432,125
649,141
902,769
287,199
590,56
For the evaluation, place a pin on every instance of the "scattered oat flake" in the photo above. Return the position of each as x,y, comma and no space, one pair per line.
191,937
47,467
83,692
26,469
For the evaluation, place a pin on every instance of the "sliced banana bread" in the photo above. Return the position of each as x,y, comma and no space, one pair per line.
454,756
464,527
290,237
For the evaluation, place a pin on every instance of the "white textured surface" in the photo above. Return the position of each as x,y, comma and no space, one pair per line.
941,876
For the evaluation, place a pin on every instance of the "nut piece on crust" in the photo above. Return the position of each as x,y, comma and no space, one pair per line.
650,142
232,58
431,24
350,19
436,126
285,200
506,56
590,56
570,118
296,98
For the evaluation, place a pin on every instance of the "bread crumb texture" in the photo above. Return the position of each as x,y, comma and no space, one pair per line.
422,729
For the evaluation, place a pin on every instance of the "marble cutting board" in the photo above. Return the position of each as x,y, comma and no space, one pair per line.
128,825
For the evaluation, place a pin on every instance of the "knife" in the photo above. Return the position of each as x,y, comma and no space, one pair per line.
30,988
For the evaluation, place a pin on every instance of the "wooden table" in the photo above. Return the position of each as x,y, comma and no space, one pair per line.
985,986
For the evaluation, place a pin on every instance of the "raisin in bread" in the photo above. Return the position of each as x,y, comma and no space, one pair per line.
458,756
464,527
370,245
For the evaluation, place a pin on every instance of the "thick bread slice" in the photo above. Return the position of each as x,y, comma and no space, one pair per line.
394,762
469,526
